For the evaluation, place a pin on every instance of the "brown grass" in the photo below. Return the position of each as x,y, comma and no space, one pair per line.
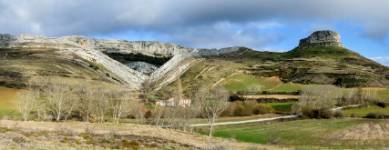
367,131
183,138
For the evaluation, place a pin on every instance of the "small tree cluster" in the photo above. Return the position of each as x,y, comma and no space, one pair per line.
246,108
56,100
176,116
317,101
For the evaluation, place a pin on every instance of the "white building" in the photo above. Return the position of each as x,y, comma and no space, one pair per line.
172,102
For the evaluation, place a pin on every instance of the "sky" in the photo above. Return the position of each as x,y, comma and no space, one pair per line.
271,25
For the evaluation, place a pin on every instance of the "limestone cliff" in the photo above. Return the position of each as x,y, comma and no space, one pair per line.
324,38
97,52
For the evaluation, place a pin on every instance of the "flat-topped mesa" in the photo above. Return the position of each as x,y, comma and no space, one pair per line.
325,38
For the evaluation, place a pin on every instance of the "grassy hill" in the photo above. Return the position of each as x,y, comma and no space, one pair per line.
249,70
18,65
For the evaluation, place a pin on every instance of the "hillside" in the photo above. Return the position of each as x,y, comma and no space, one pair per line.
320,58
323,61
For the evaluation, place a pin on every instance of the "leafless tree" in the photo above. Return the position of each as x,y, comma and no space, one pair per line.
27,102
212,103
317,98
137,110
86,98
99,105
157,114
119,102
58,99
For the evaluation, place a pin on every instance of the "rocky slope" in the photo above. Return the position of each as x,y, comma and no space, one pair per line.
99,53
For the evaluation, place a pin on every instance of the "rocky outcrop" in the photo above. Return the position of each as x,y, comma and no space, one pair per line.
146,48
95,51
324,38
142,67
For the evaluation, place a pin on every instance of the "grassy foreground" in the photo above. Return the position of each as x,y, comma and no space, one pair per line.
309,134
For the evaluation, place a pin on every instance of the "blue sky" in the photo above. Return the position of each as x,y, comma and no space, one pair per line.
273,25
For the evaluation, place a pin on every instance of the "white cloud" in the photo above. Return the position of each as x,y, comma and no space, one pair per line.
191,18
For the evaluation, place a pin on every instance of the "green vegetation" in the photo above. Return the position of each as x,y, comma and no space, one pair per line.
322,52
282,107
239,108
251,83
363,111
307,134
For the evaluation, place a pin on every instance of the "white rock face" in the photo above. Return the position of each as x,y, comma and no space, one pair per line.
133,78
142,67
93,51
133,74
147,48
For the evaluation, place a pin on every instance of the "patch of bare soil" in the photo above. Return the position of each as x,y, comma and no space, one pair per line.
367,131
81,135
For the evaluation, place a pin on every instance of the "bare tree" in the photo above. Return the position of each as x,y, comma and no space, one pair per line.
58,99
99,105
27,102
119,104
157,114
85,100
318,99
136,109
213,102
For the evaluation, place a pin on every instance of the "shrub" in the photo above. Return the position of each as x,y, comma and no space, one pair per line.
243,110
376,116
262,109
316,101
338,114
380,104
239,108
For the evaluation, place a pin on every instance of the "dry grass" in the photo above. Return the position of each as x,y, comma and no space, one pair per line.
179,140
367,131
8,102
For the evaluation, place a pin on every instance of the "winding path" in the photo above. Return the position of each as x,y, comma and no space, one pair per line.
264,119
245,121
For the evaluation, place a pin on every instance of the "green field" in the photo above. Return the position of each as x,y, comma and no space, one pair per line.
303,134
362,112
244,82
282,107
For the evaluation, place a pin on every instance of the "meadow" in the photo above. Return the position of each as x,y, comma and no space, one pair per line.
307,134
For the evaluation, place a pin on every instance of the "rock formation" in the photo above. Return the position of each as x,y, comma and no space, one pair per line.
324,38
97,52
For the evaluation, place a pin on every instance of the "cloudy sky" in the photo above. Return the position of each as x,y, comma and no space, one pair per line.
274,25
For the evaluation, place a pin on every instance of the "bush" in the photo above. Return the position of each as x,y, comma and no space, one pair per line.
242,109
322,113
338,114
381,104
262,109
239,108
376,116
